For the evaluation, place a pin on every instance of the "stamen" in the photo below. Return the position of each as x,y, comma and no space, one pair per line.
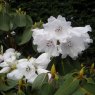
49,43
28,69
59,29
68,44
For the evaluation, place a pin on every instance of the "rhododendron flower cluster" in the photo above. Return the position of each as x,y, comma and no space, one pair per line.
26,69
8,60
59,37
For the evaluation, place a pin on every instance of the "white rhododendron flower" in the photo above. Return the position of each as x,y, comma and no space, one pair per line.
72,47
25,70
11,54
29,69
7,66
57,27
59,37
46,43
9,60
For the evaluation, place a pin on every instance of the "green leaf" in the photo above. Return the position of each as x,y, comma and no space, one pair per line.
80,91
8,85
46,89
10,93
88,87
13,25
68,87
19,20
40,80
85,89
29,21
26,36
4,21
67,67
90,80
20,92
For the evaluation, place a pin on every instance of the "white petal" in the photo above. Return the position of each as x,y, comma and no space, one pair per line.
22,60
39,71
22,65
11,59
51,19
43,60
32,60
5,70
15,75
37,32
49,76
4,64
10,50
32,78
61,18
78,31
18,54
6,55
30,70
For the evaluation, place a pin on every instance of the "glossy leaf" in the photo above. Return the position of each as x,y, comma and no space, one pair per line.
68,87
26,36
40,80
20,20
4,21
46,89
89,88
28,21
80,91
8,85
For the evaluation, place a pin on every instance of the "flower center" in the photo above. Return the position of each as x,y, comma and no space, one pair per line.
13,66
68,44
59,29
49,44
28,69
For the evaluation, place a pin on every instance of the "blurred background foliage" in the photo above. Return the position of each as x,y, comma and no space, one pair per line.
79,12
